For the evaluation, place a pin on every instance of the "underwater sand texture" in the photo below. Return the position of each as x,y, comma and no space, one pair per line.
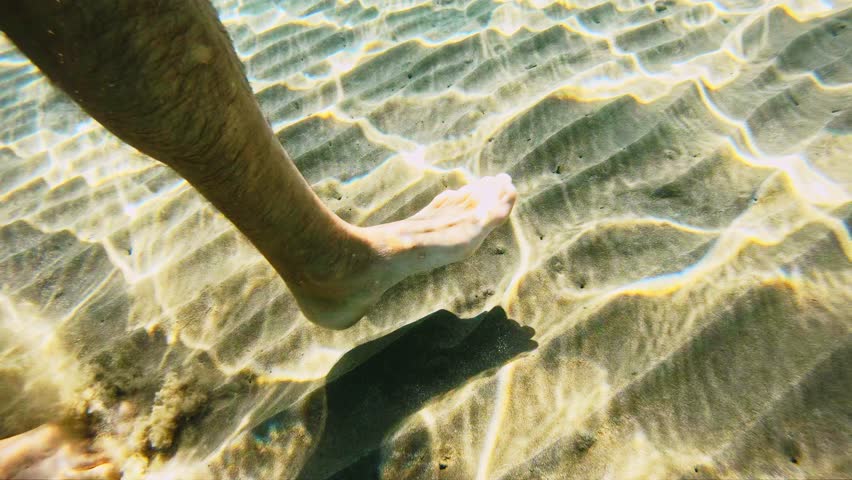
680,247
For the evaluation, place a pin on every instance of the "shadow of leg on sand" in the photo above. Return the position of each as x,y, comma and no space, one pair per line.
378,384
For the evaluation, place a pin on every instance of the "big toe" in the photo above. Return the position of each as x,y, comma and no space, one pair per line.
508,193
103,471
497,197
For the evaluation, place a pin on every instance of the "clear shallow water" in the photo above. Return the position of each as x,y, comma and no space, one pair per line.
680,246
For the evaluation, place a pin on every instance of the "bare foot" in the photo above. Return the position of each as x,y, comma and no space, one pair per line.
448,230
47,452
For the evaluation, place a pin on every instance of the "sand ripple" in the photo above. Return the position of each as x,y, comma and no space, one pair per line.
680,245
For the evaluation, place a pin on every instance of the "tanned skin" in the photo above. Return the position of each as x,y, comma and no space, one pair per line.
163,76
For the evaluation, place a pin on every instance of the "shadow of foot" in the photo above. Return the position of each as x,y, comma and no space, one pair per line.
375,386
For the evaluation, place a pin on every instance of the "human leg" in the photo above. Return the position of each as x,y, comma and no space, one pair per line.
164,77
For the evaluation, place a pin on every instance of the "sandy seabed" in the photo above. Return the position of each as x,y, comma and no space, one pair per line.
680,245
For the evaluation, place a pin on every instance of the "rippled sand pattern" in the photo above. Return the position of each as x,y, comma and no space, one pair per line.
680,245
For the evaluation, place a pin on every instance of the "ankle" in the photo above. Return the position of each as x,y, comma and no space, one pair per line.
342,267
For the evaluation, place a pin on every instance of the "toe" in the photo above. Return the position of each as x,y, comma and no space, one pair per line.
503,185
441,199
509,193
100,472
88,461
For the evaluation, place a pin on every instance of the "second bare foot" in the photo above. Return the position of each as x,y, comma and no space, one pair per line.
49,452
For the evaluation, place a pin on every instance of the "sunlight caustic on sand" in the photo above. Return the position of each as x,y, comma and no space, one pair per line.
680,244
